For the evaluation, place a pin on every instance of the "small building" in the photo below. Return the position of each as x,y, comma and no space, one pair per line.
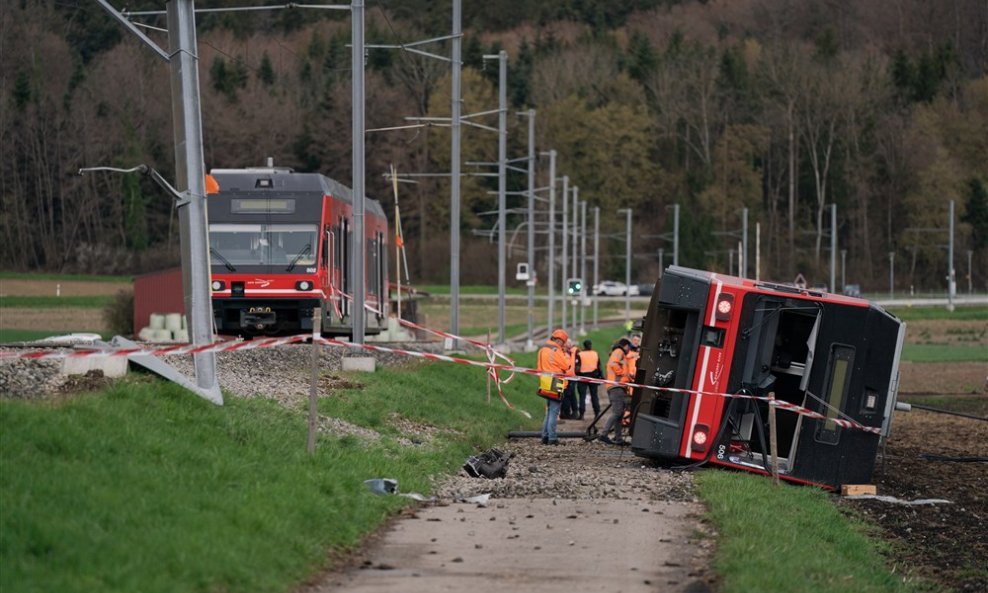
157,292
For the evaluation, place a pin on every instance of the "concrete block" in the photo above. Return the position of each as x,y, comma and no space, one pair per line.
364,364
112,366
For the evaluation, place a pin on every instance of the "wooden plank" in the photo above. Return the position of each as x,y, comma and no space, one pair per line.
858,489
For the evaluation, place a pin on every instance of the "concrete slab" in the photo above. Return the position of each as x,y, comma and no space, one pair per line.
111,366
364,364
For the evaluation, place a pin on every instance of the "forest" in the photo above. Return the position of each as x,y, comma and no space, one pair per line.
783,107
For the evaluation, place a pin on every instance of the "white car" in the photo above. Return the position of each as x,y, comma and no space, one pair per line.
614,288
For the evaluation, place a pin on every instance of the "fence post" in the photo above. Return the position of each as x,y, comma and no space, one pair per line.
314,379
772,438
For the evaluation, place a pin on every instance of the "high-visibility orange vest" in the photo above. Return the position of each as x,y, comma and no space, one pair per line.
617,367
589,361
632,359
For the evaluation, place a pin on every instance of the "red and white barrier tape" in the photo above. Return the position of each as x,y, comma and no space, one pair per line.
490,367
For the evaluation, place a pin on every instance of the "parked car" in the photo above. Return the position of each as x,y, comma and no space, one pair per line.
646,289
853,290
609,288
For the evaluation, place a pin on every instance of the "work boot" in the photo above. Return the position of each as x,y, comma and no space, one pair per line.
554,442
581,416
545,440
605,439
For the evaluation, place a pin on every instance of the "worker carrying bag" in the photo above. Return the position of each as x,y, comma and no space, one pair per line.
551,387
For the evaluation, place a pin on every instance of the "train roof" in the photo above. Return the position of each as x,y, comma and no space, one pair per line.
760,285
287,180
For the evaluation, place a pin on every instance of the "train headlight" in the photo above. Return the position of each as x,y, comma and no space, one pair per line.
701,434
303,285
218,285
724,306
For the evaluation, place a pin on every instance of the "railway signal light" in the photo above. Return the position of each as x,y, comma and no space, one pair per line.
575,287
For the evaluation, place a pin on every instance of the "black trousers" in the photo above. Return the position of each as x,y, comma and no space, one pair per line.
569,408
582,388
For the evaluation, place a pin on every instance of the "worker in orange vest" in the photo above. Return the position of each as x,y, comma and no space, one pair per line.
617,370
634,353
553,358
588,365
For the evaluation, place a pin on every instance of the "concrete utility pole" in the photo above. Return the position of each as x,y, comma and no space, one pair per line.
675,234
627,266
843,269
190,187
551,272
951,285
833,248
743,267
891,274
502,178
358,315
596,260
564,286
576,255
583,267
456,104
530,344
190,177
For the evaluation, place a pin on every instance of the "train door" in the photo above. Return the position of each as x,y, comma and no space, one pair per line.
782,339
343,247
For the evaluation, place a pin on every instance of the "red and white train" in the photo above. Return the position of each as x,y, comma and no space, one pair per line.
710,334
280,246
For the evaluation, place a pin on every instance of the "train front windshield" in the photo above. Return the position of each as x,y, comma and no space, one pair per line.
282,246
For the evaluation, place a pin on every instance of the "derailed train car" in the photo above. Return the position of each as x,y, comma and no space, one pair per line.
708,334
280,245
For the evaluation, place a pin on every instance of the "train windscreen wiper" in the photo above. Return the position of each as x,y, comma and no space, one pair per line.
225,261
305,250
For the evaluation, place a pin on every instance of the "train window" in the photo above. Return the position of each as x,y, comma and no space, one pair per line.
838,382
263,244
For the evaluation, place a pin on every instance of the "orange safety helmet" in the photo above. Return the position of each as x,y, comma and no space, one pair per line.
560,334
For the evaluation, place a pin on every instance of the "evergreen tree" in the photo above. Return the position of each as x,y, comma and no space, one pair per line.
520,77
977,213
642,59
265,72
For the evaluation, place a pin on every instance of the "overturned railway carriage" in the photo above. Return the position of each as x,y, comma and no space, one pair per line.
280,245
709,334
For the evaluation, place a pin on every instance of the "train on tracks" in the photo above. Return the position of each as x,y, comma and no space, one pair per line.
708,334
280,245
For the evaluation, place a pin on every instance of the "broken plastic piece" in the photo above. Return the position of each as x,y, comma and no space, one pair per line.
382,485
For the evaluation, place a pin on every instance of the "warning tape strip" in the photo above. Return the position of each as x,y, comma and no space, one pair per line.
491,367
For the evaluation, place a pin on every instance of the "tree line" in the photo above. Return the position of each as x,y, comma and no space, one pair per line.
780,107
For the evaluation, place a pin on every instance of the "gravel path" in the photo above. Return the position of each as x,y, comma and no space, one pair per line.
577,517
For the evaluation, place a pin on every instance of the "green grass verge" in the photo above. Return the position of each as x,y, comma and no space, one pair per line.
53,302
145,487
943,353
788,539
65,277
972,313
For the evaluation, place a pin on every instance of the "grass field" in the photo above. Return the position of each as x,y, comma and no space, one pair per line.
146,488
